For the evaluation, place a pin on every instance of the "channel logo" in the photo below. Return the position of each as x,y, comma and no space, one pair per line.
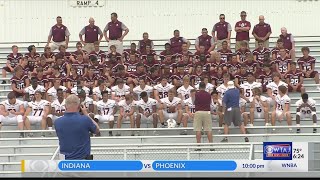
277,151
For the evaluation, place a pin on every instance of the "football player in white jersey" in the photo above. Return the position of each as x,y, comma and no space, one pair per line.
39,110
306,107
96,92
52,92
32,89
282,107
58,107
209,86
11,112
216,108
185,90
119,91
246,88
190,110
126,111
259,107
142,87
161,90
106,108
223,87
80,85
272,88
147,110
170,108
87,102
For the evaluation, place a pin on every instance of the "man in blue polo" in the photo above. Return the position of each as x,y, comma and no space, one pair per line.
232,110
73,131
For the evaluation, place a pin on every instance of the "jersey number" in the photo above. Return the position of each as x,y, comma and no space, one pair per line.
37,110
105,111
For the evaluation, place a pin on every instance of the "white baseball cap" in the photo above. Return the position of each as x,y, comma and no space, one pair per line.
230,85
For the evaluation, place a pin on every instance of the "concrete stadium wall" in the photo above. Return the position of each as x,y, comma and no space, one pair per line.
31,20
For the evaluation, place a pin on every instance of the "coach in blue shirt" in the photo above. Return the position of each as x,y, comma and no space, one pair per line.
73,130
232,112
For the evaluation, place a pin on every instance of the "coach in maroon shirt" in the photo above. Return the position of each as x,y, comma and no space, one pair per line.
242,28
262,31
59,34
144,42
202,116
115,29
223,30
91,33
206,40
177,41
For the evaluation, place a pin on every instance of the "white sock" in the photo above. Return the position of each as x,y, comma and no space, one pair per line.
50,128
314,124
298,125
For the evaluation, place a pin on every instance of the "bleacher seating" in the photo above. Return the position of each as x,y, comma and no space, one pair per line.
14,149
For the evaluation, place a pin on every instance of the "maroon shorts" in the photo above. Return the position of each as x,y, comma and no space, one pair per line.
19,94
6,68
290,89
313,74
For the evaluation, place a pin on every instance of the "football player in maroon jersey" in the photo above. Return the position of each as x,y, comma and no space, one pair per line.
121,74
133,50
81,65
275,51
251,65
90,80
13,59
260,54
71,80
233,66
225,52
168,57
242,52
197,75
217,77
177,78
48,54
33,57
19,81
294,79
307,66
45,66
283,63
113,59
41,78
154,77
241,77
81,51
186,57
265,76
98,53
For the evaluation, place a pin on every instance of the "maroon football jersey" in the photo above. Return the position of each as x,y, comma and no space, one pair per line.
46,55
124,76
306,63
73,80
197,77
14,59
251,66
153,79
241,77
43,80
126,54
261,54
33,57
178,76
137,75
233,67
98,69
243,54
66,55
45,67
225,55
63,69
275,51
20,83
101,55
80,67
90,80
294,77
283,64
218,78
113,60
265,77
131,66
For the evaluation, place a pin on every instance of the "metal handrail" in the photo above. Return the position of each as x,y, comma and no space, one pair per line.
170,129
55,153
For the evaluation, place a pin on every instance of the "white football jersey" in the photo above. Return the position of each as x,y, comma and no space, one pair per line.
75,90
53,92
120,92
222,89
163,90
147,106
175,102
59,108
247,88
185,92
87,101
242,102
126,107
258,106
306,110
106,108
38,107
96,91
274,87
138,90
282,101
190,103
215,106
15,107
32,91
209,87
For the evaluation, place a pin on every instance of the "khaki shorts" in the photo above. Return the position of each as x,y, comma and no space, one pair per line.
202,119
118,44
89,47
265,44
219,44
55,45
238,44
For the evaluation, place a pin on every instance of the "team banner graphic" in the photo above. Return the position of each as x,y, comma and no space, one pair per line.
277,157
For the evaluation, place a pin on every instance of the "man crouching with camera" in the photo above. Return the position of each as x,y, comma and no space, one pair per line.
73,131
